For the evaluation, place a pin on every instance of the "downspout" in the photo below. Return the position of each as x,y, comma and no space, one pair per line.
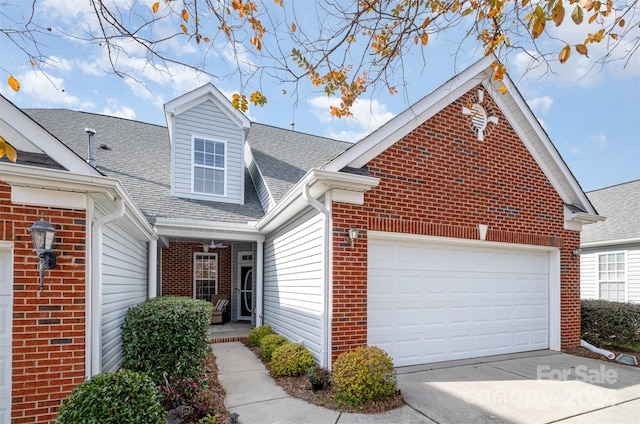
152,290
326,321
96,283
259,282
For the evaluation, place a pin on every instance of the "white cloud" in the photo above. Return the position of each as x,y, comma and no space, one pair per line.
47,90
116,109
600,140
576,151
368,115
541,104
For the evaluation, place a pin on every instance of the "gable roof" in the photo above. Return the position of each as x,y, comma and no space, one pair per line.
620,204
139,155
512,105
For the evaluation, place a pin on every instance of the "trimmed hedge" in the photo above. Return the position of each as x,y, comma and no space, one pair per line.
257,333
611,323
362,375
270,343
167,334
291,360
113,398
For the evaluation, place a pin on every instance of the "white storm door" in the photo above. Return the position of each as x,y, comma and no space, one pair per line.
245,286
6,307
430,302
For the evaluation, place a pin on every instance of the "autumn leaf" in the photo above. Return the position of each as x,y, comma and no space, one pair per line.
184,28
13,83
577,15
293,27
564,54
557,14
502,89
7,149
582,49
621,23
425,38
155,7
32,62
207,39
185,15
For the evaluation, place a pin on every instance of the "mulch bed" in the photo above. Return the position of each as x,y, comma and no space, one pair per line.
581,351
299,387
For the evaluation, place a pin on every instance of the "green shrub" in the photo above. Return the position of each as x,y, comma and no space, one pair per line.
291,360
270,343
167,334
611,323
362,375
257,333
113,398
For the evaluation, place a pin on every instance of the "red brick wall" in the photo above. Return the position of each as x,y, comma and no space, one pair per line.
177,268
48,341
440,180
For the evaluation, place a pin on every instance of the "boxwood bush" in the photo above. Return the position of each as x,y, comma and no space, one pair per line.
167,334
113,398
362,375
291,360
270,343
257,333
609,323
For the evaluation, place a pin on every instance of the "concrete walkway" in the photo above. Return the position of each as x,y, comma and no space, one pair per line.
534,387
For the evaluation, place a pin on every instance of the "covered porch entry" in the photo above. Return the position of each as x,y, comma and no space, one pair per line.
211,263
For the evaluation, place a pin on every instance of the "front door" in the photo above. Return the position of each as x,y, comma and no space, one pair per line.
245,286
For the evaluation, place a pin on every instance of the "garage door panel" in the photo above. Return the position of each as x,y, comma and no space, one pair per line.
455,302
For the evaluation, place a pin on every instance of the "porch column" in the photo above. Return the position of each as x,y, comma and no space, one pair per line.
259,282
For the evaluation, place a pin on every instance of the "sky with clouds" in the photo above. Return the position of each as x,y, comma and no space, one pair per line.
590,112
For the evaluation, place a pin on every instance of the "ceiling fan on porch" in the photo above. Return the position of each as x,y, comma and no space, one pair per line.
215,245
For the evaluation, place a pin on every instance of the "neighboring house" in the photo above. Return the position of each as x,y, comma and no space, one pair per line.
610,250
447,233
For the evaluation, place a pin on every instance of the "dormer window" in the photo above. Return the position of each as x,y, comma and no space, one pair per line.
209,166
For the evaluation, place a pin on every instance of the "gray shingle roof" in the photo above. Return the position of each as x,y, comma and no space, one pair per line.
139,155
620,204
284,156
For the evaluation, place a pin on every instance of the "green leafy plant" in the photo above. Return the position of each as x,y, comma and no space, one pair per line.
362,375
291,360
209,419
318,377
257,333
609,323
113,398
167,335
270,343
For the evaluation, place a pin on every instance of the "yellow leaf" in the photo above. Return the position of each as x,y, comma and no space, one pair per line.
525,2
593,18
564,54
621,23
293,27
502,89
13,83
425,38
582,49
155,7
557,14
538,27
185,15
33,63
184,28
7,149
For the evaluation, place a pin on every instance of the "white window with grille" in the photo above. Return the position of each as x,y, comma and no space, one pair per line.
209,166
205,275
612,276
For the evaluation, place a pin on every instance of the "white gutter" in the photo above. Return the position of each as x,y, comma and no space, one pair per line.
325,322
96,283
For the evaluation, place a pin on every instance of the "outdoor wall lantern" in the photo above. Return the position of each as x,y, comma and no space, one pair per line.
353,235
576,252
42,236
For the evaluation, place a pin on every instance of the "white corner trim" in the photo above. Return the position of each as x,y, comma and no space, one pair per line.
52,198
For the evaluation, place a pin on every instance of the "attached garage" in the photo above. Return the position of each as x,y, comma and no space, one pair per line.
433,300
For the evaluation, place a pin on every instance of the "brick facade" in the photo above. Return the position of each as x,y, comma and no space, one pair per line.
177,268
48,341
439,180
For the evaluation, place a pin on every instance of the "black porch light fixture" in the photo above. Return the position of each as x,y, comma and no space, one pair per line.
42,236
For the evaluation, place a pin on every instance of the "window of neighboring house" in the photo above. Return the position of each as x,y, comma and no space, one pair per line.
208,166
612,276
205,275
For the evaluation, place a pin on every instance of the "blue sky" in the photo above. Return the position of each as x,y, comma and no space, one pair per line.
593,118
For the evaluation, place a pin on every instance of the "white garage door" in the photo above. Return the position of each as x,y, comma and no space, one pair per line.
6,306
430,302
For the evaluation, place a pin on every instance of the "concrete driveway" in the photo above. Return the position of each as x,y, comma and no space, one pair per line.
533,387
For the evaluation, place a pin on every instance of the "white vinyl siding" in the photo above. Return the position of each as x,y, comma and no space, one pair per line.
266,200
633,275
588,276
6,320
124,284
207,121
293,280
